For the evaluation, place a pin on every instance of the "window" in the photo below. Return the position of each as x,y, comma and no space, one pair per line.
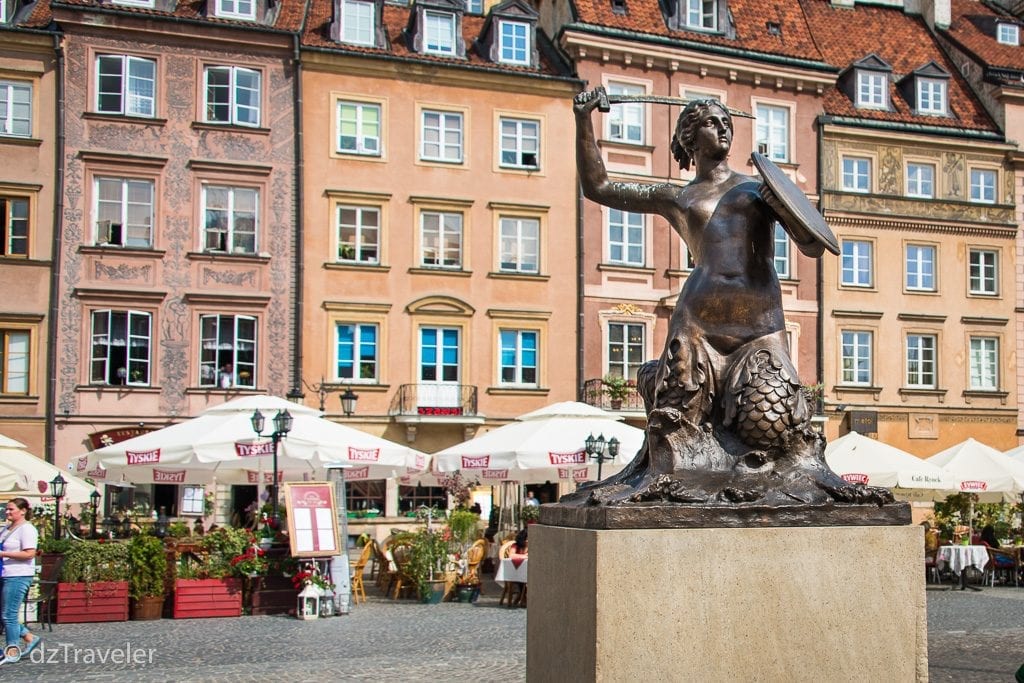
124,212
931,96
1008,34
120,348
782,252
14,357
357,22
856,357
856,174
439,360
518,357
232,95
14,226
192,500
626,121
231,218
236,9
921,267
359,234
625,237
984,272
983,186
520,242
442,136
773,132
856,266
871,90
515,42
227,354
439,33
475,6
920,180
702,14
984,364
411,498
15,108
441,239
357,352
625,349
921,361
125,85
359,128
365,495
135,3
520,143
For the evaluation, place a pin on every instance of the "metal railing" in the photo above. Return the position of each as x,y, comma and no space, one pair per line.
594,394
435,400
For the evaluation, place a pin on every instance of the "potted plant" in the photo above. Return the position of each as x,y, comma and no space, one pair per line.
530,514
617,388
427,553
93,583
148,561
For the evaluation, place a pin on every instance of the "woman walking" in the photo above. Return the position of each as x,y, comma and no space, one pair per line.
18,542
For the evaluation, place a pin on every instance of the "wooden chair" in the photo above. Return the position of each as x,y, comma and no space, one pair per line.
931,566
1002,561
401,578
43,594
358,590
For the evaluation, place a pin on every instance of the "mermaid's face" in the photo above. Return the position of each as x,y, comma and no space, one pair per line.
714,133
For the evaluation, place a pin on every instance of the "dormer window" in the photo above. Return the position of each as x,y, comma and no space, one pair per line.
931,96
507,36
866,82
236,9
135,3
515,42
357,22
701,14
474,6
871,90
1008,34
439,33
927,90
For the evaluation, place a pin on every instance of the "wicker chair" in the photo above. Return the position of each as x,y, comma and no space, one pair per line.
512,591
474,556
359,568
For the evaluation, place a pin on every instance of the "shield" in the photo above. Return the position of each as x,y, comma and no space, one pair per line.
799,217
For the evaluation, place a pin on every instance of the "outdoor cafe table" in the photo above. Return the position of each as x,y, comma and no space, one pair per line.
960,557
511,569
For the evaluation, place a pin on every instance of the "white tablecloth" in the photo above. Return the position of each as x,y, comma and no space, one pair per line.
958,557
508,571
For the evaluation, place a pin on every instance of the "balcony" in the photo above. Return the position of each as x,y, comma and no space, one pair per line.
416,404
594,395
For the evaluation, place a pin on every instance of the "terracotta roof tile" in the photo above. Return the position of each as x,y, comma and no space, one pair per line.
289,15
40,16
972,28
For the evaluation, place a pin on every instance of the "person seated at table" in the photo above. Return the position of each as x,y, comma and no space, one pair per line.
519,548
988,536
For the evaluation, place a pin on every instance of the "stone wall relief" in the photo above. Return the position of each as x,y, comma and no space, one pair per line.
953,173
890,171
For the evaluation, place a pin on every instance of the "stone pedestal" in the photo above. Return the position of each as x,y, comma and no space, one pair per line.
769,604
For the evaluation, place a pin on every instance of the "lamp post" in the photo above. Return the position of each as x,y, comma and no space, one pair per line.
282,425
58,486
348,402
94,500
601,451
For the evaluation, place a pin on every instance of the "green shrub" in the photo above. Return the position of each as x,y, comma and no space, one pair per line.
148,561
92,561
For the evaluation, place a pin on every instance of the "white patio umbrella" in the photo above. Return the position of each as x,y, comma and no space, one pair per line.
543,445
981,469
220,444
27,476
862,460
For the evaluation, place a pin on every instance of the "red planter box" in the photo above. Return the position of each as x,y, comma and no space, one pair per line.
100,601
195,598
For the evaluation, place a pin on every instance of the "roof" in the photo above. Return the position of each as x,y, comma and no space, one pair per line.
972,28
288,17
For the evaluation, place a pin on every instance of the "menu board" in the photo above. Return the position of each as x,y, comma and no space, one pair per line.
312,519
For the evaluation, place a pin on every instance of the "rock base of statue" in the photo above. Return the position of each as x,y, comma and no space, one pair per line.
772,604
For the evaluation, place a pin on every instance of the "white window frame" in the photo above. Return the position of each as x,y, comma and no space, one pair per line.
449,226
627,122
15,108
783,253
856,174
857,264
1008,34
983,272
701,15
136,3
920,180
855,357
447,152
515,43
512,341
519,244
365,242
358,22
138,103
474,6
366,137
629,246
359,347
984,363
232,234
920,267
212,371
872,90
15,360
519,138
134,371
932,95
236,9
772,136
439,33
123,233
922,352
624,367
238,112
983,185
193,500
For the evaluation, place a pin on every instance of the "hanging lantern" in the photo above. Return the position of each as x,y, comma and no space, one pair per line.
326,602
308,606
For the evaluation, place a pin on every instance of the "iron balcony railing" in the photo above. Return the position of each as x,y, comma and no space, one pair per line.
594,394
435,400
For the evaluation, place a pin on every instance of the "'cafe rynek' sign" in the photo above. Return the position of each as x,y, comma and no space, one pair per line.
109,437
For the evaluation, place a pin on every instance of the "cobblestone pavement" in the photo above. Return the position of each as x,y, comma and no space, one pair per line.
972,637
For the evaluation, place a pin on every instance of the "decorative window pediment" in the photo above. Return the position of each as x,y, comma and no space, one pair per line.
509,36
866,82
709,16
359,22
435,28
927,90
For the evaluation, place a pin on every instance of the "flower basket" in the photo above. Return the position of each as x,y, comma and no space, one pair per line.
199,598
92,602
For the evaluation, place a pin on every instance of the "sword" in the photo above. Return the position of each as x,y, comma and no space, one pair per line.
605,102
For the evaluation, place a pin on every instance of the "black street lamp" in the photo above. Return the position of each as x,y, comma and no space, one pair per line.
601,451
282,425
94,500
348,402
58,486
